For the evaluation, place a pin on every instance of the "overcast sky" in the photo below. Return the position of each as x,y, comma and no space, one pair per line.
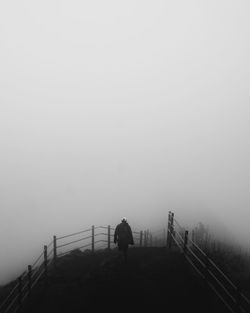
121,108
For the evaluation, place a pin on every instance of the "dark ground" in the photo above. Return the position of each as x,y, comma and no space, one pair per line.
154,280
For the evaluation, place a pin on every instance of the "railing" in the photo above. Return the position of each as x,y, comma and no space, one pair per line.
216,279
92,239
101,237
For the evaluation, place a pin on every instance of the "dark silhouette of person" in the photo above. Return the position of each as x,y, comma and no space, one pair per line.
124,237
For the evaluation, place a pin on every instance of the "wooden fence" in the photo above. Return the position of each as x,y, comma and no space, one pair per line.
101,237
228,292
92,239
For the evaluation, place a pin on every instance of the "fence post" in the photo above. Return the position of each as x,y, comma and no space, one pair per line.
55,250
29,279
145,238
141,238
172,225
20,296
93,239
168,230
108,237
171,229
172,221
45,262
151,240
185,241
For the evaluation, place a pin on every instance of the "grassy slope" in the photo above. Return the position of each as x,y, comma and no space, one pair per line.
153,280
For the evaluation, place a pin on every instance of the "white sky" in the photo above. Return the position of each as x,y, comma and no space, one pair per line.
121,108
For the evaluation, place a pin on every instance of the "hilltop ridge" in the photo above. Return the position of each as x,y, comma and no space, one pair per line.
153,280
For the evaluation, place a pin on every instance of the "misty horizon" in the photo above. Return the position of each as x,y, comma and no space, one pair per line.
121,109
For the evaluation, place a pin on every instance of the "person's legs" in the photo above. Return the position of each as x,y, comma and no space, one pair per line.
123,248
120,252
125,253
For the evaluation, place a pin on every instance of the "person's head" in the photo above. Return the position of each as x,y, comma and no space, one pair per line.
124,220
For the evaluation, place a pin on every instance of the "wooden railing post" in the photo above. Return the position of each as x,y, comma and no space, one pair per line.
54,250
20,293
145,238
93,239
168,229
172,225
45,261
171,230
29,279
172,221
141,238
185,241
109,237
151,240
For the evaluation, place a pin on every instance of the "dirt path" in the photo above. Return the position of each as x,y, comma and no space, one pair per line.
154,280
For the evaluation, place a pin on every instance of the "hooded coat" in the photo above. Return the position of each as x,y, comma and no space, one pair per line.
123,235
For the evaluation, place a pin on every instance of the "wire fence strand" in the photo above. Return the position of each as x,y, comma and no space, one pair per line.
74,234
74,241
213,267
8,297
192,252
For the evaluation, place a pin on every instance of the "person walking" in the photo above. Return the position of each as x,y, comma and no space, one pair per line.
124,237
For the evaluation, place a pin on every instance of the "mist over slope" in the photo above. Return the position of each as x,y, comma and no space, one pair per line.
111,110
152,279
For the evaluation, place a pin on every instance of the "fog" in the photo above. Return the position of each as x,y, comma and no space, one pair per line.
112,109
